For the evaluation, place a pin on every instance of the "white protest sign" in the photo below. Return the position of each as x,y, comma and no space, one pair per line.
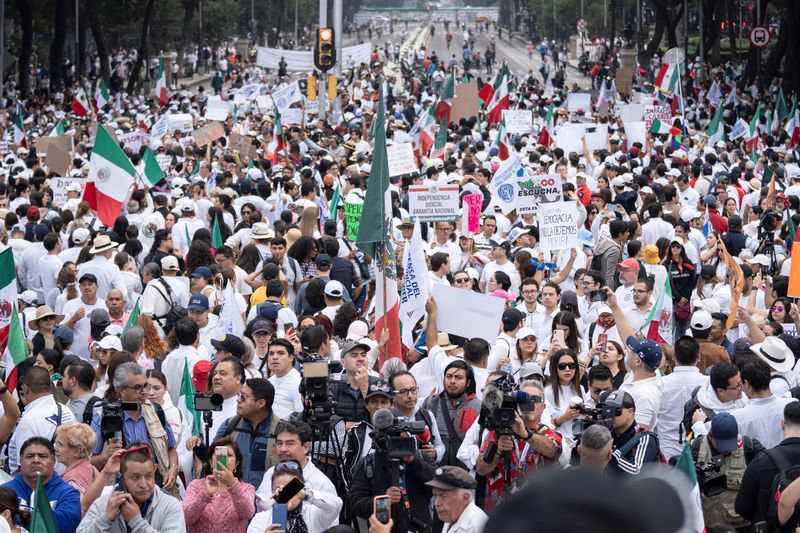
504,183
217,108
788,328
159,129
164,161
569,137
3,147
264,102
401,159
579,101
433,203
536,190
293,115
186,141
133,139
632,112
558,226
518,120
660,112
596,136
467,314
182,122
636,132
286,96
311,107
248,93
59,186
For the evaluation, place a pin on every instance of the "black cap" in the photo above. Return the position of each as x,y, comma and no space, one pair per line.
379,388
512,317
90,277
322,260
230,343
452,477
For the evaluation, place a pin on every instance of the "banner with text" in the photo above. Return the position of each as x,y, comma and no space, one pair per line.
352,218
432,204
558,226
518,120
401,159
533,191
504,184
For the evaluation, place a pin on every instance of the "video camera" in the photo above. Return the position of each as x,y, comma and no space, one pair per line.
710,479
111,421
389,434
501,400
602,414
315,388
768,222
208,402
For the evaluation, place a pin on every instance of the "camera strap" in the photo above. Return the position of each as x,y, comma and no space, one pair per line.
58,420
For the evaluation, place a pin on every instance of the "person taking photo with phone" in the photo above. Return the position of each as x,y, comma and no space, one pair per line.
219,500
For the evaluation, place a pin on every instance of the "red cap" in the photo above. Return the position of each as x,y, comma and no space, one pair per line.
629,264
200,375
32,213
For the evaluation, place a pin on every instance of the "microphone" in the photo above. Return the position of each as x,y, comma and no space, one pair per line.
382,419
492,398
575,402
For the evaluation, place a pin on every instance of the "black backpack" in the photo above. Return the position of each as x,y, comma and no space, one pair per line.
175,313
787,473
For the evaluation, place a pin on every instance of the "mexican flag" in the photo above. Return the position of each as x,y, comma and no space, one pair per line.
441,139
8,293
186,400
19,130
503,142
664,127
685,465
716,131
161,84
752,131
793,125
101,97
277,132
374,239
111,175
446,100
782,110
659,321
545,136
667,78
43,520
80,103
427,126
57,130
216,234
498,103
487,91
13,338
333,206
152,171
133,318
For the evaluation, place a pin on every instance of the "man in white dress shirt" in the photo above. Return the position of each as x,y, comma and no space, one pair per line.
107,273
454,500
761,418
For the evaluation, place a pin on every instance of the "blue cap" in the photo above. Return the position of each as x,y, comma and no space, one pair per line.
40,231
725,431
711,200
198,302
201,272
586,238
648,351
64,335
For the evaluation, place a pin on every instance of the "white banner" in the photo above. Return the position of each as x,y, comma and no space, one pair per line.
558,226
249,92
181,122
518,120
536,190
401,159
286,96
303,60
636,132
504,184
432,203
59,186
468,314
415,285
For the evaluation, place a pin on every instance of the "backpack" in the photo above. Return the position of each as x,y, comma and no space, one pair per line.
176,312
786,474
268,310
685,427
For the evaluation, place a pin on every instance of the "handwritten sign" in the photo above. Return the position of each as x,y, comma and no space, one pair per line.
401,159
558,225
518,120
240,143
473,203
535,190
59,186
660,112
164,161
208,133
352,219
159,129
134,140
433,203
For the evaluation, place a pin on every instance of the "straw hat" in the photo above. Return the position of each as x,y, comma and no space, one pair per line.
101,244
44,312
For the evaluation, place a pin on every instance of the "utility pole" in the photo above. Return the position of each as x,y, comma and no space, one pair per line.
77,31
337,36
702,45
295,21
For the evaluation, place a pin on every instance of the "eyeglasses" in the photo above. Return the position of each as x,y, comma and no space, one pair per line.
598,391
676,245
777,308
640,291
443,229
408,391
534,291
461,280
565,366
137,388
287,465
738,386
243,397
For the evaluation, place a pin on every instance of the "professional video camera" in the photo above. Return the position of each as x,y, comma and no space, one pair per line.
767,224
769,220
501,400
602,414
393,434
709,478
315,388
111,417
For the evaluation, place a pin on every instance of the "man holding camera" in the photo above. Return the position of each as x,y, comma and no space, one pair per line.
349,388
405,399
721,458
633,446
145,422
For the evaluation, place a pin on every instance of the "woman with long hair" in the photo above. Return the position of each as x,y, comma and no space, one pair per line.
66,284
154,347
162,247
246,210
17,518
682,275
564,321
711,286
199,255
249,258
611,355
120,228
224,203
201,280
309,222
130,277
156,388
345,315
261,332
527,348
564,383
304,251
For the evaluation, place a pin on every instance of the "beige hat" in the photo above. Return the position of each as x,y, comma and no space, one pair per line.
101,244
44,312
261,231
169,262
291,236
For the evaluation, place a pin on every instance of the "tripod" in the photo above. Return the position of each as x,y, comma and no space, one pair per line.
768,248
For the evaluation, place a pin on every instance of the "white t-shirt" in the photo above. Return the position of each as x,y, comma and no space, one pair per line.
82,328
287,394
647,397
508,268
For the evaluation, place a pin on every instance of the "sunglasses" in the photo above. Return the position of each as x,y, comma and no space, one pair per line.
565,366
461,280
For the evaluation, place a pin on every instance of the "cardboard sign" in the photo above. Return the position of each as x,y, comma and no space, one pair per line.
518,120
467,314
558,226
164,161
504,184
432,203
465,101
182,122
208,133
579,102
624,80
59,186
401,159
57,160
536,190
352,218
473,202
134,140
660,112
240,143
64,142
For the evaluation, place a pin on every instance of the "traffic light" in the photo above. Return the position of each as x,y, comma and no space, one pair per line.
311,89
325,52
332,86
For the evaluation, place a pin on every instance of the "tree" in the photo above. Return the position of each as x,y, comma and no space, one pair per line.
133,81
60,14
26,47
99,38
189,8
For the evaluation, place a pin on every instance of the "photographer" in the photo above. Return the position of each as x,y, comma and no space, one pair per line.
529,445
721,458
349,388
402,479
633,447
146,423
358,441
405,399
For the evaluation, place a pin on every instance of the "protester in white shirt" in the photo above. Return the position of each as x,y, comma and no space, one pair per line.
285,378
454,501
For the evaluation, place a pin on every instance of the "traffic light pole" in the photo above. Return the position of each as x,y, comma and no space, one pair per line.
337,35
321,92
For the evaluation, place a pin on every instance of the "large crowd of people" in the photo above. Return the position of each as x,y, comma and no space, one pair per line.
210,358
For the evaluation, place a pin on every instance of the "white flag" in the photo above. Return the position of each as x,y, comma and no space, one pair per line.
230,316
415,285
714,94
740,129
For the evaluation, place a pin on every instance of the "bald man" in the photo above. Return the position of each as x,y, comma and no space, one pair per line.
115,303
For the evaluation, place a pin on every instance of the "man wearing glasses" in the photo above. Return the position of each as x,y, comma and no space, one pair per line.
147,423
441,242
406,396
642,303
461,280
